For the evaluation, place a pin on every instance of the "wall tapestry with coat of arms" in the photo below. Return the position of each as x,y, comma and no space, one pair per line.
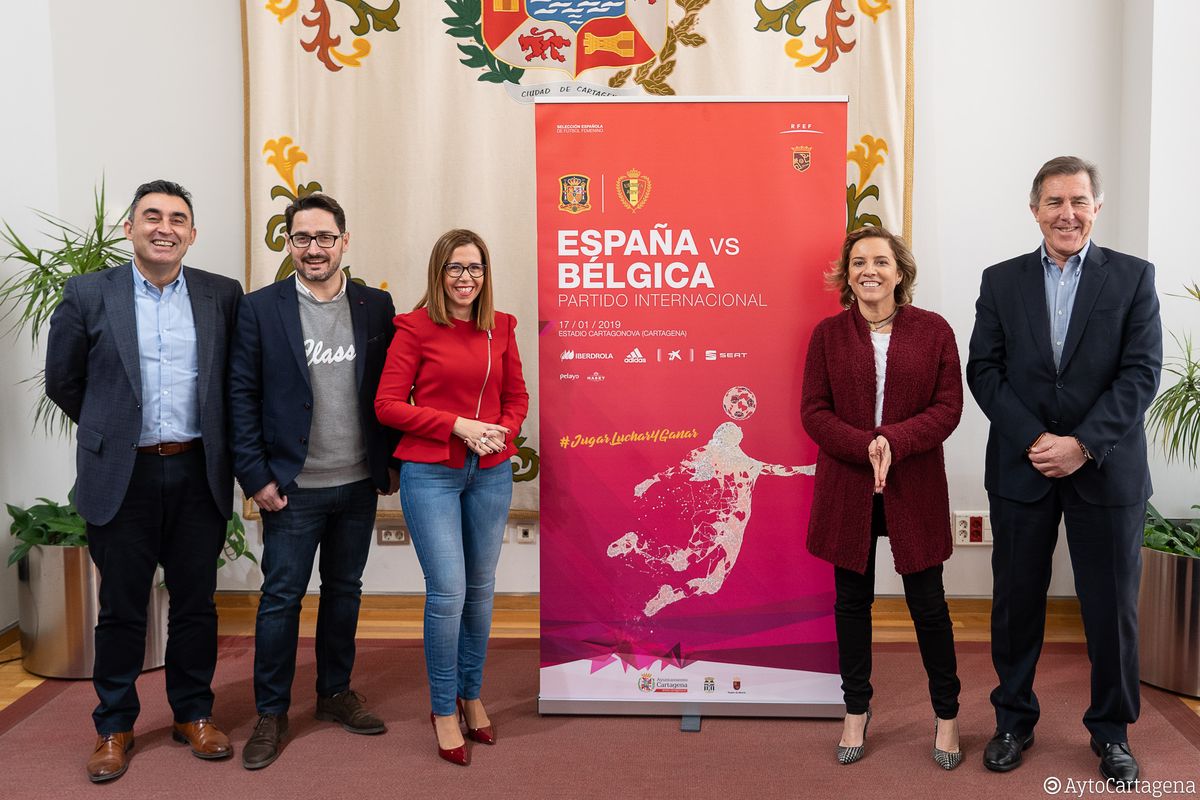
418,117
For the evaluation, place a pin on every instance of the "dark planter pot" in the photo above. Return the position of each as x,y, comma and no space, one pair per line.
59,599
1169,622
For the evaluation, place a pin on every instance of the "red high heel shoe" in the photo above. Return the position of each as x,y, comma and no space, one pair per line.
485,735
455,755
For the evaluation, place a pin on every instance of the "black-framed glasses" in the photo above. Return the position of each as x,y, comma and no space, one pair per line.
303,240
455,270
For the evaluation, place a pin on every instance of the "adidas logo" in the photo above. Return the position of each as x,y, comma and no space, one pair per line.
635,357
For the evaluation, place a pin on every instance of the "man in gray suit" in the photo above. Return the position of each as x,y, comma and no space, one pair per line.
137,357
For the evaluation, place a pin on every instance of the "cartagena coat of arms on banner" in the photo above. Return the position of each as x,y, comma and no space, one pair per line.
574,36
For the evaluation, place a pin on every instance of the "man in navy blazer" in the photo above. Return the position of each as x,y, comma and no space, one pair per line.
1064,361
136,357
305,366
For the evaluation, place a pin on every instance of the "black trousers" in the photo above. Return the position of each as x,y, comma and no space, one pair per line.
1106,557
926,599
168,517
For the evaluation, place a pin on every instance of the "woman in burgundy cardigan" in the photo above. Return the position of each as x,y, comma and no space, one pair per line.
882,391
452,384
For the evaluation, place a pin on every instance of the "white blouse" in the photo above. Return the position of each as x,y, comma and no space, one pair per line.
880,341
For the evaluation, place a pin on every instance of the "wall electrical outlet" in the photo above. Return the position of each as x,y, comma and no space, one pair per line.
394,534
526,534
972,527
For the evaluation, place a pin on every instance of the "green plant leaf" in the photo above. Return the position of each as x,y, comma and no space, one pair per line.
30,295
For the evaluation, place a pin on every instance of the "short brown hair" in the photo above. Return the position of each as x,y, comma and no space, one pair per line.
838,278
434,300
1065,165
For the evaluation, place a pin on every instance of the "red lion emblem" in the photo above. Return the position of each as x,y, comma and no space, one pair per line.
541,43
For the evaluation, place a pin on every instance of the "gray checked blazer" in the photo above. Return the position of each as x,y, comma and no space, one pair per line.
93,373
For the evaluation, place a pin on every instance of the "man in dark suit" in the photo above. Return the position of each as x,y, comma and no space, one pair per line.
136,357
1064,361
305,366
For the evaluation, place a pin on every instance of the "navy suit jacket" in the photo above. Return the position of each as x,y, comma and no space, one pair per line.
271,398
1107,378
93,373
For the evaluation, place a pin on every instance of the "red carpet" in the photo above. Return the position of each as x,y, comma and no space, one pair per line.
45,739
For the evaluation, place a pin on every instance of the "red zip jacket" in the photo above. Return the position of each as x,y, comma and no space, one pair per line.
450,372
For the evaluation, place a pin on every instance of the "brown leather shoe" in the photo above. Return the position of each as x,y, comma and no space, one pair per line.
348,709
263,746
111,756
205,738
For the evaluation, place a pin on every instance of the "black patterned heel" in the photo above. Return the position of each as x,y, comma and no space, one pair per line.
944,758
848,755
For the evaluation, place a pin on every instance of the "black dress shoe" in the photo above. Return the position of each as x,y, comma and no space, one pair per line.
1003,751
1117,764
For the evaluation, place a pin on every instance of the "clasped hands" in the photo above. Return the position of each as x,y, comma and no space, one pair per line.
483,438
1056,456
879,452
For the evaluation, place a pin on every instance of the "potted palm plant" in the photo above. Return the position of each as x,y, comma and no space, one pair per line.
58,586
1169,602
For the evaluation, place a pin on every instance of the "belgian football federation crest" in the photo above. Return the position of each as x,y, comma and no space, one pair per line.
574,35
801,158
573,194
634,190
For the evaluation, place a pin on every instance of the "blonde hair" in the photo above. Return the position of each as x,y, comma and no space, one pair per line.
434,299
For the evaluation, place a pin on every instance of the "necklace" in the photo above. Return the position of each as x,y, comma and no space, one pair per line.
883,323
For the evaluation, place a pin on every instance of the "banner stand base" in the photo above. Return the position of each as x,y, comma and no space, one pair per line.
689,723
690,709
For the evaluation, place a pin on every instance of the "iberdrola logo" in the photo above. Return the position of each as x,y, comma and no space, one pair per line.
626,38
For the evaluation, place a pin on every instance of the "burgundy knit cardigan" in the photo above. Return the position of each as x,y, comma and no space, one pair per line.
922,403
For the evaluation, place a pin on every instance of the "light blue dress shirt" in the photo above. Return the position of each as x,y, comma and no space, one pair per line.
169,361
1061,288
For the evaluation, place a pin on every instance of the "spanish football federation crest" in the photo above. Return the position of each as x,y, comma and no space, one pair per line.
801,158
574,35
573,194
634,190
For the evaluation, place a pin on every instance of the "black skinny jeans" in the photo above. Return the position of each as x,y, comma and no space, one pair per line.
926,598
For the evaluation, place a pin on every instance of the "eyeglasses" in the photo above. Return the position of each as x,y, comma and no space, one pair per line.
303,240
455,270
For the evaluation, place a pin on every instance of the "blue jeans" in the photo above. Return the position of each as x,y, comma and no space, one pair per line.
340,519
456,518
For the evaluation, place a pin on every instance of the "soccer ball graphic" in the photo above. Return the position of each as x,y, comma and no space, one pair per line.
739,403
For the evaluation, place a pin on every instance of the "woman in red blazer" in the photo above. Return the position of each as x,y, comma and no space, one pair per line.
882,391
452,385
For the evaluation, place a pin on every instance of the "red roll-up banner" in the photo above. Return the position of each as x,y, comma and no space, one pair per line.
681,251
